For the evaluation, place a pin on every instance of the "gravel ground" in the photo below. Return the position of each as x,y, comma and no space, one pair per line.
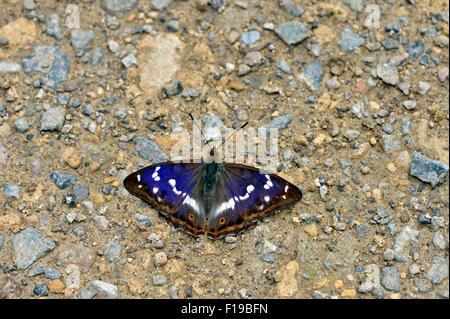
362,106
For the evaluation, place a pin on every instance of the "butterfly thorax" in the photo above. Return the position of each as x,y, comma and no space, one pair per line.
210,177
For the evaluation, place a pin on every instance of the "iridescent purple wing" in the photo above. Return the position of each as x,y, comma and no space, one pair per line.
245,196
173,189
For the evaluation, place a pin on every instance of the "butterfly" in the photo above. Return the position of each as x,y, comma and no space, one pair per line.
216,199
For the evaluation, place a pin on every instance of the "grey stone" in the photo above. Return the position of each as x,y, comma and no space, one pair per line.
129,60
390,143
40,290
250,37
173,88
349,40
101,221
438,240
63,180
2,240
80,192
409,104
428,170
421,286
28,246
443,74
190,94
97,55
406,237
105,288
53,119
52,273
243,69
149,150
160,5
113,251
49,61
390,278
313,75
87,294
54,26
438,270
143,219
29,4
351,135
9,67
113,46
388,73
212,126
159,280
280,122
21,125
415,49
118,7
424,87
268,247
253,58
173,25
292,32
81,38
270,258
291,7
11,190
120,112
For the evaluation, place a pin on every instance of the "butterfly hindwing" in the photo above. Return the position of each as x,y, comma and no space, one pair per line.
246,195
173,189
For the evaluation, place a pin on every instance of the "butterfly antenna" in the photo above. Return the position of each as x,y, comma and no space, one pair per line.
201,131
244,125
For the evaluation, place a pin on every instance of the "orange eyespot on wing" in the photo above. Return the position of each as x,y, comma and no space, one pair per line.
191,217
222,221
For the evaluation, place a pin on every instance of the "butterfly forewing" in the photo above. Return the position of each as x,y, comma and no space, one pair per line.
247,195
173,189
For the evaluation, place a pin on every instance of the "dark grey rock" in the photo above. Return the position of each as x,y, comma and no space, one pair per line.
173,88
81,37
40,290
250,37
21,125
389,45
390,278
291,7
428,170
160,5
105,288
280,122
351,135
409,104
118,7
313,75
80,192
421,286
173,25
159,280
87,294
190,94
29,245
11,190
143,219
284,66
390,143
120,112
270,258
54,26
74,102
438,270
113,251
356,5
149,150
253,58
292,32
49,61
97,55
415,49
393,26
63,180
388,72
349,40
52,273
